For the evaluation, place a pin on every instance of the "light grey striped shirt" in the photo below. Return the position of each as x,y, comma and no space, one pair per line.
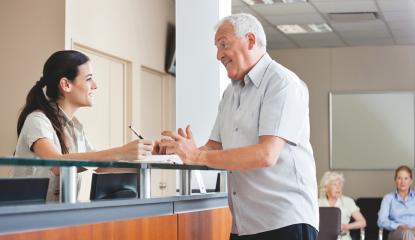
274,101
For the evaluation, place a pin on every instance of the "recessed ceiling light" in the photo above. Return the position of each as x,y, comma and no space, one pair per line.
304,28
256,2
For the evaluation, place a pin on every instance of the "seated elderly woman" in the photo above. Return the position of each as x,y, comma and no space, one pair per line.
397,211
330,190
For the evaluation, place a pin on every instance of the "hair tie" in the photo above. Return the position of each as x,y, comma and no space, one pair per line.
41,83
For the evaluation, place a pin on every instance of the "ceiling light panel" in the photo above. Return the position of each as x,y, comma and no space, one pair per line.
295,19
394,6
362,26
365,35
284,9
352,17
304,28
271,30
339,7
399,16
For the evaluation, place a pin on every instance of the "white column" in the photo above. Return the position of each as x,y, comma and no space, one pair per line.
200,80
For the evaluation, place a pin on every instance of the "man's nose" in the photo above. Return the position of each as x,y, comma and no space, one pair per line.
219,55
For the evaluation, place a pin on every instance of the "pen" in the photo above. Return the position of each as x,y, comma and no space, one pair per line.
138,135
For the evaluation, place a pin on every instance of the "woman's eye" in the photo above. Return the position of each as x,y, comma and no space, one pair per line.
89,79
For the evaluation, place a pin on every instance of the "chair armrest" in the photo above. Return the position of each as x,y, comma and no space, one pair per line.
339,237
380,236
362,234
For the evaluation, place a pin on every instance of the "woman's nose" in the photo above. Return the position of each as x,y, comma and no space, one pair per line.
94,85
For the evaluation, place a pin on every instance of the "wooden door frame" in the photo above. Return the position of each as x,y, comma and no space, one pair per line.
127,83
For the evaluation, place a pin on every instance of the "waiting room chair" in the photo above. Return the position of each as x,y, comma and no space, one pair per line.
330,224
21,190
113,185
369,207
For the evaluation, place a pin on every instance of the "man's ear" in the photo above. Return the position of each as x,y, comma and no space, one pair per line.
251,40
65,85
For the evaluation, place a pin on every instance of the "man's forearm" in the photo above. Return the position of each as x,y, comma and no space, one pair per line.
243,158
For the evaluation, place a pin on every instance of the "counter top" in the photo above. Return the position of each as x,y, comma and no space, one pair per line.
35,216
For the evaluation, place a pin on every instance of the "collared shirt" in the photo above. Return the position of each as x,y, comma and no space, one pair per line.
346,205
37,126
395,212
273,102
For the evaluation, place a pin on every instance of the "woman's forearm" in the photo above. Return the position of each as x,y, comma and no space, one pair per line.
357,224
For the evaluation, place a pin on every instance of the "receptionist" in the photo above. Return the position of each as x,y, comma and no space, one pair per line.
47,126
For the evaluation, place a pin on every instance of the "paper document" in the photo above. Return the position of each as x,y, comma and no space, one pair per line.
165,159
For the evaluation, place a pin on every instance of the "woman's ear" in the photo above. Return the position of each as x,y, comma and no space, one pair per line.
65,85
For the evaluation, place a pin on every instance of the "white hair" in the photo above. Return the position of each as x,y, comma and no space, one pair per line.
327,178
245,23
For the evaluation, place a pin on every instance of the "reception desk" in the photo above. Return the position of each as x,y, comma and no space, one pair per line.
195,216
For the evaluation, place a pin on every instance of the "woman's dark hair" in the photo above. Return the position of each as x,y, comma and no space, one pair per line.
62,64
403,168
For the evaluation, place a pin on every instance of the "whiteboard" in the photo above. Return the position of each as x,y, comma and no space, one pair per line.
371,130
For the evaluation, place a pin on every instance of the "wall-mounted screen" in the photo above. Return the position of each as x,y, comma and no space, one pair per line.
371,130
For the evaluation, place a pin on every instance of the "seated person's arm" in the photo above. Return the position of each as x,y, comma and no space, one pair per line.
360,221
384,212
211,146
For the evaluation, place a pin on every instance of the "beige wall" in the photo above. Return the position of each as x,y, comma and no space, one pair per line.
349,69
133,30
29,33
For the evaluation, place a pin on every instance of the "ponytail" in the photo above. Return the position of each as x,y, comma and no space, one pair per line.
62,64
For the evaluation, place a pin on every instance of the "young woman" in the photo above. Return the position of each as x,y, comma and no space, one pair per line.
48,128
397,211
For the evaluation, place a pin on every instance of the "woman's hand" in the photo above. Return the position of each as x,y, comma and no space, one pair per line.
136,150
403,227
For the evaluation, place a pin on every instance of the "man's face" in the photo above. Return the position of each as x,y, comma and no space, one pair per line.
232,51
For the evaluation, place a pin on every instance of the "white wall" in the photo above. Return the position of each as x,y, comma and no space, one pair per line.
199,76
349,69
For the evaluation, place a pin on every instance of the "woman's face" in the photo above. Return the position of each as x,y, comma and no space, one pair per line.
334,189
82,88
403,181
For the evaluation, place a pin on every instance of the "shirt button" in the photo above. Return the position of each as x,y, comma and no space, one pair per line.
234,193
236,129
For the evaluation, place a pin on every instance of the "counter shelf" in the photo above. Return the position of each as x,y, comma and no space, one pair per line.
68,169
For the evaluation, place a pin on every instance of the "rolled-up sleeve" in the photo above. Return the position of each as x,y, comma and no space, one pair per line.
37,127
215,134
384,212
284,110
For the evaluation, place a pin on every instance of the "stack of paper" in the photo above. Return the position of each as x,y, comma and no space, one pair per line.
165,159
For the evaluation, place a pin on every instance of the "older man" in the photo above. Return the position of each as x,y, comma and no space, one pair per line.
261,135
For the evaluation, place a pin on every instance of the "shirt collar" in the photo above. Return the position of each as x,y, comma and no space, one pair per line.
73,123
257,72
411,194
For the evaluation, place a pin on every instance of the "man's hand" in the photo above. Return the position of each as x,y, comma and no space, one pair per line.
182,145
158,149
403,227
413,229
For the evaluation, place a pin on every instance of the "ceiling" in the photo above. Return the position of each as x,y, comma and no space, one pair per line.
395,24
